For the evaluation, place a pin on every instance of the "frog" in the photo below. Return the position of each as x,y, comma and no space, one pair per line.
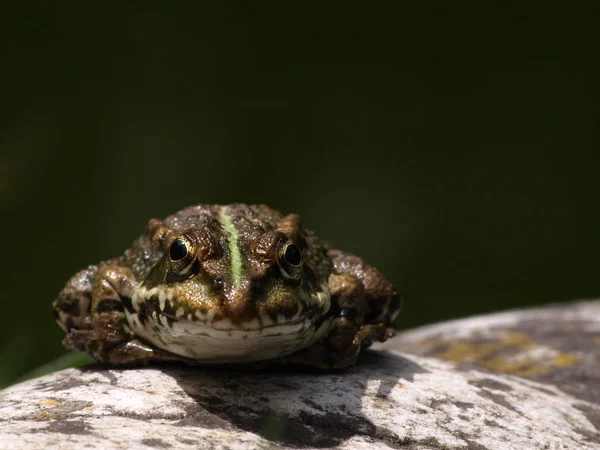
228,285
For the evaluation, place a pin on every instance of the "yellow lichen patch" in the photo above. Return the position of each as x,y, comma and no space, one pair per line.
510,353
527,368
152,392
565,360
89,409
43,416
460,351
50,403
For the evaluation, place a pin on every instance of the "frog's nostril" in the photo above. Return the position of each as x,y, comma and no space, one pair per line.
219,282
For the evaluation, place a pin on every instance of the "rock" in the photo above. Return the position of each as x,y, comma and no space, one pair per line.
523,379
559,345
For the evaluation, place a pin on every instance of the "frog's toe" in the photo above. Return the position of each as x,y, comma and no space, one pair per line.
82,340
389,333
372,332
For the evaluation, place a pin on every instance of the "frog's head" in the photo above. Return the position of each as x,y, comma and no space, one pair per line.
237,283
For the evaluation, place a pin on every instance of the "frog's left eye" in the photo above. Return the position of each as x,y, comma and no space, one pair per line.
289,257
292,255
178,250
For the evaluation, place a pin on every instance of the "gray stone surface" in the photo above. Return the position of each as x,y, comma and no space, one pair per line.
558,344
390,400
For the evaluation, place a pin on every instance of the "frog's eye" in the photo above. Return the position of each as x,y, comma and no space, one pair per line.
178,250
182,254
292,255
289,257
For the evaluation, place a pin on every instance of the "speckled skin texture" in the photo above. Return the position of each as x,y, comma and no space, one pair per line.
235,288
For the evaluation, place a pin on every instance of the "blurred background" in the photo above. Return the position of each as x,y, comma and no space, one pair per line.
456,150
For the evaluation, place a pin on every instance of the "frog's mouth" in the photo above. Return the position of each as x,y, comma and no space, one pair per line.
210,336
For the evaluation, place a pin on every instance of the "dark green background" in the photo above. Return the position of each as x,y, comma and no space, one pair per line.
455,149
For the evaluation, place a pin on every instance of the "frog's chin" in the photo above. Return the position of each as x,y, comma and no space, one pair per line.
201,337
206,343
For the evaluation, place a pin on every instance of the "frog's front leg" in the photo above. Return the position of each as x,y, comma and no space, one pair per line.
104,325
382,302
364,304
104,333
339,348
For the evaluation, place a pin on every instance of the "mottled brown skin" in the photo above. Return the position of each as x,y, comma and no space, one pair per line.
95,305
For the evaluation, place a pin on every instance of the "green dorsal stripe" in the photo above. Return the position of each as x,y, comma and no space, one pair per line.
234,250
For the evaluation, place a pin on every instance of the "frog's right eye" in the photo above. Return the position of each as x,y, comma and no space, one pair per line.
182,254
178,250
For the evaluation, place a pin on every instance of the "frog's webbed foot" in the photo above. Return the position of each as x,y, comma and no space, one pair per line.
136,352
130,351
97,341
372,332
